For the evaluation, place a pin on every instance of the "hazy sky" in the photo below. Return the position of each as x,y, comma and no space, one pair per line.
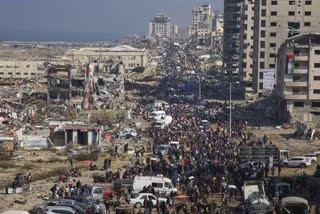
107,16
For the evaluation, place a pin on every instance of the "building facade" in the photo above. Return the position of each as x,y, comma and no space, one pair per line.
231,36
20,70
129,56
298,78
160,26
202,18
246,47
274,22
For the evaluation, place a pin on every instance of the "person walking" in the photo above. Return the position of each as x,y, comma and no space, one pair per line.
158,206
29,179
279,171
71,162
54,189
119,193
272,171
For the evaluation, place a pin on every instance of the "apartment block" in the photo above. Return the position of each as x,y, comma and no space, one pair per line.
160,26
299,78
129,56
20,70
231,36
246,47
201,21
274,22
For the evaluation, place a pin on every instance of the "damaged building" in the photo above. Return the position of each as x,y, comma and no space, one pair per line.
299,78
74,133
59,82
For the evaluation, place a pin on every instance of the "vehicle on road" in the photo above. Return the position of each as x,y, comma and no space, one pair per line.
255,165
108,191
293,204
163,149
87,202
59,209
174,145
39,208
255,197
161,184
312,157
298,161
138,200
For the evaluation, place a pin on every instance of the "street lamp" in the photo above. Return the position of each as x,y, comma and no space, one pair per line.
230,130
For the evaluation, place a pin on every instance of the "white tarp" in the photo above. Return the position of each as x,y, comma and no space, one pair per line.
268,79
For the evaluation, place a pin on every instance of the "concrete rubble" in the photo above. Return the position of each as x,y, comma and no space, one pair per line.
93,93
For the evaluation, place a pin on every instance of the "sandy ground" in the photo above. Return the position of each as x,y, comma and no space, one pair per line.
279,137
42,187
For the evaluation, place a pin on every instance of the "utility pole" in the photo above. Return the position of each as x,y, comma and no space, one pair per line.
199,87
230,115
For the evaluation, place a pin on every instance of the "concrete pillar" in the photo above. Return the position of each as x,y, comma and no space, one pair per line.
74,137
90,137
99,137
65,137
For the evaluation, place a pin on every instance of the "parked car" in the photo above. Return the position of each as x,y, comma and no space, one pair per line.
138,200
16,212
254,164
59,209
174,144
128,132
87,202
124,183
163,149
312,157
39,208
108,191
298,161
95,191
205,123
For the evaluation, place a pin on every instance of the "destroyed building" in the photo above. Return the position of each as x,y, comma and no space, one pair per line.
63,133
59,82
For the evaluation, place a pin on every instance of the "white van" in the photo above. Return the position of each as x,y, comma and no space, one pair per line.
174,144
161,104
161,124
157,115
95,192
162,184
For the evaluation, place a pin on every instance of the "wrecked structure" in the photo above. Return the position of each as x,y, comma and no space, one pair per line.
74,133
129,56
59,82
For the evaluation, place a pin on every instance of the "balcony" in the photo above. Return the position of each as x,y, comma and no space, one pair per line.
296,84
301,57
296,96
300,70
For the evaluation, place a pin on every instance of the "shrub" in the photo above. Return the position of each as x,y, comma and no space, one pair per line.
54,159
28,166
7,164
5,156
52,173
93,156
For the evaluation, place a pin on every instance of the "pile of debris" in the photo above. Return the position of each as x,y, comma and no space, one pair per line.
264,111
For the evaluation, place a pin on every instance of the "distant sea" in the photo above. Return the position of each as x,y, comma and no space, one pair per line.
61,36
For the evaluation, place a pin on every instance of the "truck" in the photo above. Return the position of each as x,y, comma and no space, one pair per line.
293,204
160,104
262,154
255,197
161,184
162,123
